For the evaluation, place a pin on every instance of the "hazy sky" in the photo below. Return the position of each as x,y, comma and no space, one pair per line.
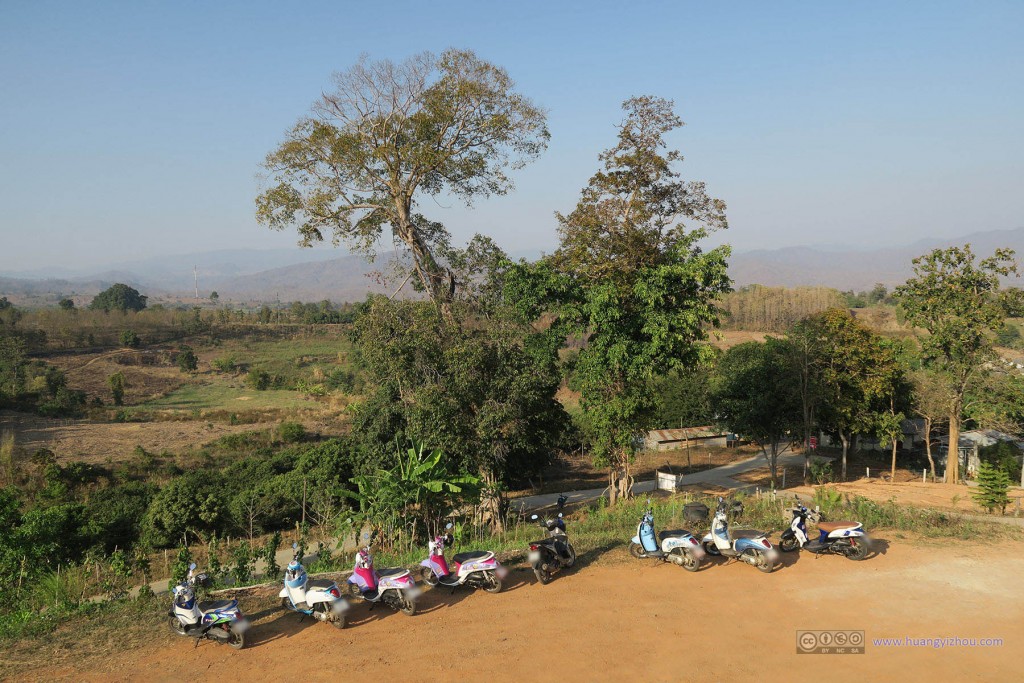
137,128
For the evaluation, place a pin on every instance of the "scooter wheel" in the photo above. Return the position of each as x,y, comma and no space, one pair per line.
286,604
788,545
236,640
762,562
636,550
408,607
428,576
493,584
542,575
177,626
711,549
338,622
859,548
572,555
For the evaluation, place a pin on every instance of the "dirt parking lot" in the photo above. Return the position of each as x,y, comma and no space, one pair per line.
613,618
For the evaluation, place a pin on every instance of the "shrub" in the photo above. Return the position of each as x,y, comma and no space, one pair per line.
117,386
291,432
187,360
225,364
258,379
130,340
993,485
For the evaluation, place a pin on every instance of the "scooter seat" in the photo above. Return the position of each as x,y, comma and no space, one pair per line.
319,584
475,555
745,533
392,573
673,533
829,527
214,605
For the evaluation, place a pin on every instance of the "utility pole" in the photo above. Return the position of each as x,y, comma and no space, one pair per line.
195,276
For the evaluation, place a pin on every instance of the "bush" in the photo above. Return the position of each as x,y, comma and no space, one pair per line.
117,387
130,340
993,485
225,364
1003,455
259,380
187,360
291,432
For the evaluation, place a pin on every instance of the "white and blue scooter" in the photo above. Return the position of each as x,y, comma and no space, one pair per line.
677,545
318,598
747,545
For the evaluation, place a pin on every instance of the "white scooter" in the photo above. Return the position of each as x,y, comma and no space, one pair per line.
218,620
841,538
752,547
478,569
318,598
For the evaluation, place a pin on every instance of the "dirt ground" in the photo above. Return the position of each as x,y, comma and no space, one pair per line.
613,618
916,493
98,442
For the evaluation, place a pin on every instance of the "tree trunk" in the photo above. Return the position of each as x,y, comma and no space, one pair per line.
953,455
492,504
928,444
892,474
846,446
773,464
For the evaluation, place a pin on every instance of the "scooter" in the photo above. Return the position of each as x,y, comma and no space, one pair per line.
478,569
752,547
394,587
318,598
217,620
841,538
677,545
553,553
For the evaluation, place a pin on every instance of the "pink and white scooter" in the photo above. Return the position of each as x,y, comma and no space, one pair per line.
478,569
394,587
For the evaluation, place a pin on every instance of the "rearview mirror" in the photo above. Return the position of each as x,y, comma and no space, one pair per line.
366,535
192,566
295,546
448,526
559,514
534,517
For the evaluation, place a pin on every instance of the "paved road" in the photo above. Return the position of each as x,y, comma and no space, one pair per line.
722,476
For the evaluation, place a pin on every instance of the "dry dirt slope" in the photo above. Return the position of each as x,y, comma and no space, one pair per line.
618,619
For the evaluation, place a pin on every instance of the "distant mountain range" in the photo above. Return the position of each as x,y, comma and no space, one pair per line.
858,269
313,274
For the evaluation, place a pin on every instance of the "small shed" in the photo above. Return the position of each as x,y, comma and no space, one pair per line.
669,439
970,443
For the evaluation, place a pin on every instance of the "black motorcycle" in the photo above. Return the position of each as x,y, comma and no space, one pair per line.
553,553
841,538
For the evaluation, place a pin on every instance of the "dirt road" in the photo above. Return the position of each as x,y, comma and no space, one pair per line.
620,619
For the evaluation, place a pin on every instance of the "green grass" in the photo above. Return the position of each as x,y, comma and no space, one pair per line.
221,395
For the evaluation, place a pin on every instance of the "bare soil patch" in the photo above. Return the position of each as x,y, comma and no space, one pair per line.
102,442
916,493
590,623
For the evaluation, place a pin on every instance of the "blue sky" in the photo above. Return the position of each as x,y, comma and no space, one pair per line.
137,128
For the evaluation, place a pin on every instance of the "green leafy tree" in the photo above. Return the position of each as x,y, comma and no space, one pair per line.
757,395
119,297
390,134
214,297
631,282
482,392
66,305
957,300
12,366
854,373
117,386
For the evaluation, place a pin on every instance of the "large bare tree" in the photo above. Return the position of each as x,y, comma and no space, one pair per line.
390,134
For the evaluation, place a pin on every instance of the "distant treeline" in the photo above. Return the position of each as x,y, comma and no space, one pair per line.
775,309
